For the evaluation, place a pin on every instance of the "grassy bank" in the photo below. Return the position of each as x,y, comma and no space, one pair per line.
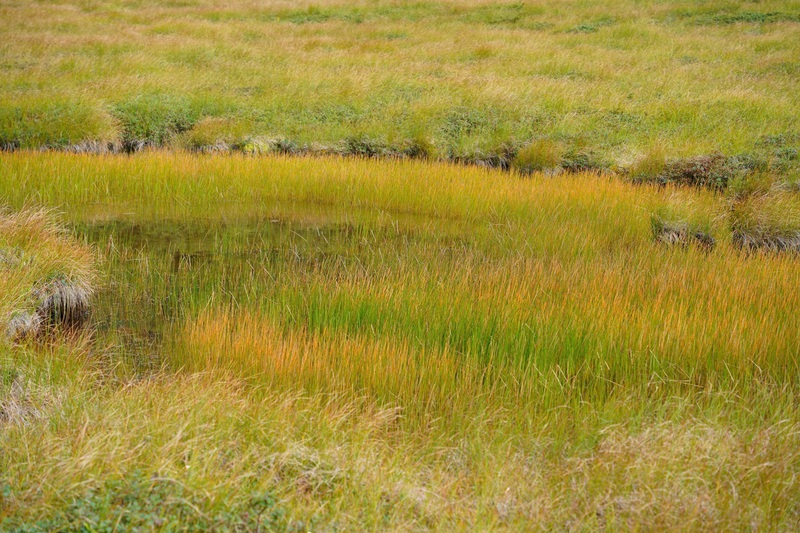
539,84
320,344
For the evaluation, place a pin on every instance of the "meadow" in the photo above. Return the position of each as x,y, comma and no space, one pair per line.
399,266
540,85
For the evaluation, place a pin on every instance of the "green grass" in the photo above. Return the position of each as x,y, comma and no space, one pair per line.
469,81
315,344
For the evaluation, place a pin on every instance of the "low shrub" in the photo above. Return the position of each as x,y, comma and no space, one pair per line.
139,502
581,160
713,171
365,146
501,157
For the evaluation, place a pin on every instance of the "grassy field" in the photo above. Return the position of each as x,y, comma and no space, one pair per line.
308,344
541,85
399,265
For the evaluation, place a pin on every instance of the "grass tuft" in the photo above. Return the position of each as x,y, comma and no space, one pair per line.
47,280
764,217
583,160
672,232
538,156
712,171
153,120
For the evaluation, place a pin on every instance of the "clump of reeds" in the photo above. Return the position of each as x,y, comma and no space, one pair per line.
764,216
59,305
680,233
583,160
94,147
63,303
765,239
541,155
153,120
500,156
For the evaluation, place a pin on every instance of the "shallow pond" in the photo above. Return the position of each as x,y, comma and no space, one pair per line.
158,273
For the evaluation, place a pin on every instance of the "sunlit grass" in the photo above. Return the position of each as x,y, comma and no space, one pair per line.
387,342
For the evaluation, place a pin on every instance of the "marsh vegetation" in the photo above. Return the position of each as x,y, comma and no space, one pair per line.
404,266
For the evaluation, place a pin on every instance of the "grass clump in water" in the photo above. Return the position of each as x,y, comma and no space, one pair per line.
48,279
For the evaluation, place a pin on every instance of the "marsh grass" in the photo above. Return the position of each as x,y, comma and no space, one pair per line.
678,232
538,156
344,333
287,342
764,217
153,120
180,451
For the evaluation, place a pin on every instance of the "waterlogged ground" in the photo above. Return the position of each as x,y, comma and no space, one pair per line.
161,273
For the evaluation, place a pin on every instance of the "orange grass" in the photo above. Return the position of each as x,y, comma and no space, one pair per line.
421,381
